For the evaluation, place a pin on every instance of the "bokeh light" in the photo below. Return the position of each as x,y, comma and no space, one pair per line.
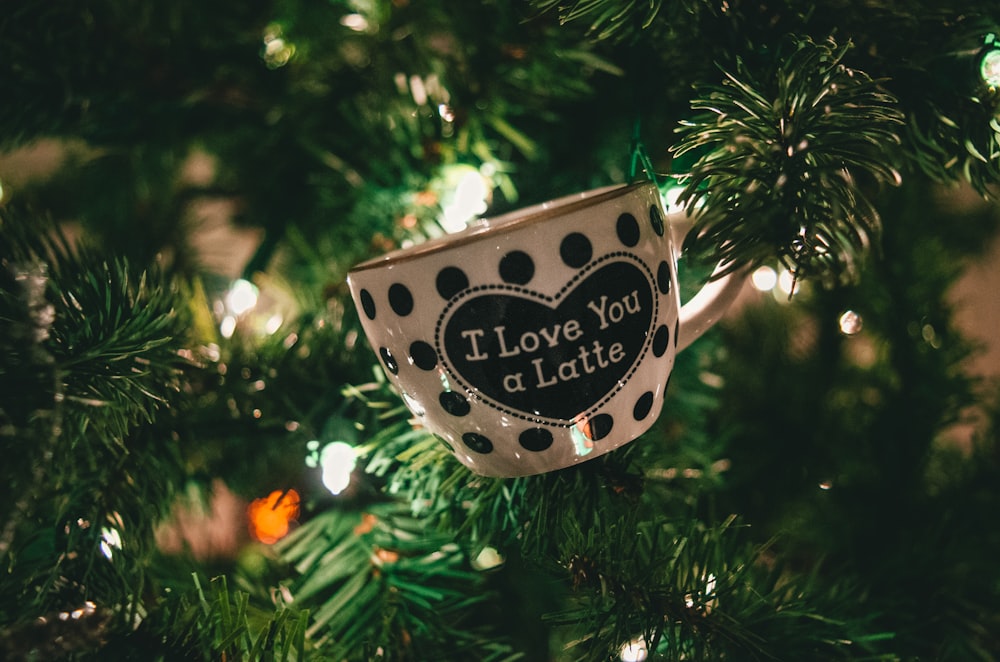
634,650
467,198
337,461
787,282
277,50
989,64
764,279
270,518
110,541
488,559
850,323
241,297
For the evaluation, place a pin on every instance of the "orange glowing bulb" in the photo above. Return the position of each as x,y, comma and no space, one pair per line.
270,517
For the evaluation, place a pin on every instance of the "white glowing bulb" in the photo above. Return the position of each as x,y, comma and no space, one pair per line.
989,68
487,559
786,281
466,202
355,22
764,279
670,197
446,113
242,296
337,461
110,539
634,651
850,323
273,323
228,326
418,89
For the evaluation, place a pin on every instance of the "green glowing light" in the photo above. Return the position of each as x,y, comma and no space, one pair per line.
989,67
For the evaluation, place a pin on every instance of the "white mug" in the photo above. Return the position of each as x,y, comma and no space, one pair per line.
541,338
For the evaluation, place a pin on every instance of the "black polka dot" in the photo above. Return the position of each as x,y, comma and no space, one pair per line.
454,403
656,219
450,281
661,339
677,330
423,355
445,443
535,439
368,304
517,267
389,361
642,406
477,442
400,299
576,250
663,277
628,229
599,426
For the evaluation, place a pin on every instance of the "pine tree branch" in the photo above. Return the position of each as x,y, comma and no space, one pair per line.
82,385
692,591
382,582
779,167
606,20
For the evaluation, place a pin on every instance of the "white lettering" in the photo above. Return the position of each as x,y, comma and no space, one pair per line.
616,353
551,336
615,311
600,311
572,330
513,384
542,381
473,335
529,341
504,352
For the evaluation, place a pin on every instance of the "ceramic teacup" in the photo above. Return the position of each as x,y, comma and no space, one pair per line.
541,338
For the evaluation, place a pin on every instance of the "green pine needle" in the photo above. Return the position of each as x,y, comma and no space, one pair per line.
89,361
607,20
782,164
381,580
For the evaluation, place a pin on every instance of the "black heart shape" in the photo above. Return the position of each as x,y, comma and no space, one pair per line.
550,357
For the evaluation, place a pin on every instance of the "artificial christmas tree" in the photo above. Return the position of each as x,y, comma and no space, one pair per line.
204,459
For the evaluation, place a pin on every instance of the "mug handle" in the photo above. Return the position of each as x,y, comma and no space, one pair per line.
711,302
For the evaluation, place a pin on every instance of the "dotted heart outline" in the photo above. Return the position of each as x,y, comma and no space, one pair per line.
476,290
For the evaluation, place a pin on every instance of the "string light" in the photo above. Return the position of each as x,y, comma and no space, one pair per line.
241,297
277,51
270,518
228,326
488,559
273,323
850,323
337,461
110,540
355,22
764,279
989,63
467,198
670,195
787,282
88,609
634,650
446,113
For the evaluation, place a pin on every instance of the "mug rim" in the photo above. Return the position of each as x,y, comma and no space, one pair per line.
488,226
